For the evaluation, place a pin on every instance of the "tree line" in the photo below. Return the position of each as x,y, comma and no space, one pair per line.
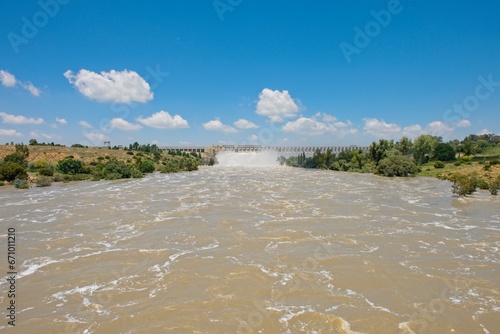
405,158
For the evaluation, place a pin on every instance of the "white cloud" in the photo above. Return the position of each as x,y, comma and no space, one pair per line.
163,120
9,133
439,128
61,121
30,88
464,123
253,138
7,79
113,86
318,125
484,132
276,105
381,129
217,125
19,119
244,124
122,124
85,124
96,138
36,134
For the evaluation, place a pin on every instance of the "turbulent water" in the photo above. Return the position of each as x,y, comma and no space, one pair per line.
253,250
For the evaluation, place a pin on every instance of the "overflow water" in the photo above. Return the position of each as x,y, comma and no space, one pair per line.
254,250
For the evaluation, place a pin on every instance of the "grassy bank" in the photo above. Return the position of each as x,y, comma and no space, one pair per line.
40,165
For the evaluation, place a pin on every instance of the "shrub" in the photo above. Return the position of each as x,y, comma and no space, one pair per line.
15,157
457,163
107,157
463,184
21,183
397,165
466,158
482,184
130,153
46,172
77,145
11,170
70,166
43,181
100,159
147,166
487,168
444,152
439,164
494,186
495,162
41,163
117,170
136,174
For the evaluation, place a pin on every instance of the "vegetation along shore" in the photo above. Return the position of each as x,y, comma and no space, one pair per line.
41,164
470,164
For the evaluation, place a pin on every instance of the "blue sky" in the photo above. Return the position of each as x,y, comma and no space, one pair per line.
247,72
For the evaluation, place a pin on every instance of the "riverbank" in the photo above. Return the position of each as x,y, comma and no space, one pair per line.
40,165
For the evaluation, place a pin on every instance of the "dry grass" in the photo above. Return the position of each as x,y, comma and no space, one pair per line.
53,154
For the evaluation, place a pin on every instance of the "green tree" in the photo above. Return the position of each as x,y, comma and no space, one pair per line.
23,150
358,159
468,147
463,184
15,157
9,171
397,165
444,152
33,142
404,146
147,166
70,166
424,147
378,151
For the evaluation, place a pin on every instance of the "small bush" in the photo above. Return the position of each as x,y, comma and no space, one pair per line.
130,153
46,172
439,164
463,184
136,174
107,157
487,168
482,184
100,159
43,181
494,162
11,170
147,166
494,186
457,163
70,166
466,158
397,166
21,184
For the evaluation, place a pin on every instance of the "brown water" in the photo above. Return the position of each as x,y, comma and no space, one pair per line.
253,250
